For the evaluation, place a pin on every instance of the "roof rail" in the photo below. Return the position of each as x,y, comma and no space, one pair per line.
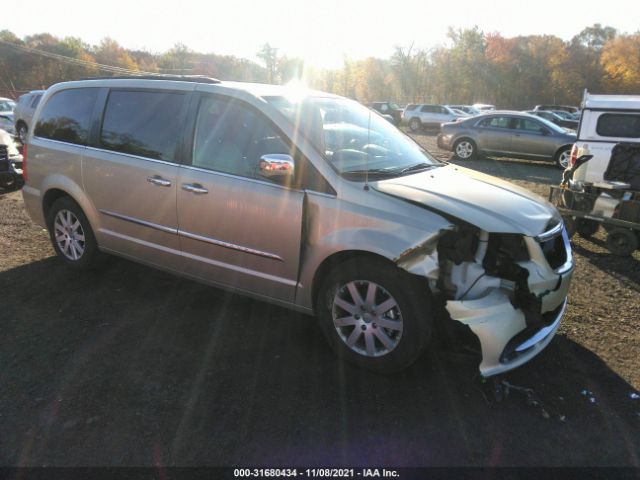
160,76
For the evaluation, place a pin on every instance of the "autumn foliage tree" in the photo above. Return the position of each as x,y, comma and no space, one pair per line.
471,66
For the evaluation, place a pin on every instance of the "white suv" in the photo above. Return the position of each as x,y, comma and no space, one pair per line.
606,121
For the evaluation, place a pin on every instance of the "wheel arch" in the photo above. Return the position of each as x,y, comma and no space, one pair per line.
336,259
57,186
561,148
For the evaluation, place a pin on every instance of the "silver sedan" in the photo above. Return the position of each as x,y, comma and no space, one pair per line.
511,134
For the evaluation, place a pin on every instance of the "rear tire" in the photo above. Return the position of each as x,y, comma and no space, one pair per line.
562,158
374,314
622,241
415,125
72,236
22,133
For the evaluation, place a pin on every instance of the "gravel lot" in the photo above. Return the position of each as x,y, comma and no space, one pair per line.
131,366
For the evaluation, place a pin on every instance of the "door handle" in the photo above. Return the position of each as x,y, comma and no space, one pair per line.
194,188
158,180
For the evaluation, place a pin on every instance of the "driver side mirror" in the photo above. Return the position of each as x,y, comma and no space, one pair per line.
544,131
276,165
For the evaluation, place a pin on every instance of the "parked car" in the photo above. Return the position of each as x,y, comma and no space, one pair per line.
460,113
23,112
422,116
607,120
262,192
387,117
6,124
507,133
6,114
556,118
10,164
566,108
389,108
6,106
484,107
470,109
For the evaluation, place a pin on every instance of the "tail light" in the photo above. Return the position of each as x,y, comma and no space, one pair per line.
574,155
24,162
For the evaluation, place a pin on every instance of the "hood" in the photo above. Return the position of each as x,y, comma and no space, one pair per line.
481,200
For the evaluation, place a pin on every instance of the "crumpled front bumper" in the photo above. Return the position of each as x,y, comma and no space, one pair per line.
505,338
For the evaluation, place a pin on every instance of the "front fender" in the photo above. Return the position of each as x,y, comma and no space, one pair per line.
334,227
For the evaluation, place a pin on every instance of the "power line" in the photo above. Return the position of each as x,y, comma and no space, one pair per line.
74,61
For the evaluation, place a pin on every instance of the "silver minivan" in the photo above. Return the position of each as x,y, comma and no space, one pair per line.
300,198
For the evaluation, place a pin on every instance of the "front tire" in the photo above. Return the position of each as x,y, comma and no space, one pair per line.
374,314
71,235
465,149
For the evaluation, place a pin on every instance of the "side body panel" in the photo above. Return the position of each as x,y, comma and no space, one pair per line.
242,233
137,217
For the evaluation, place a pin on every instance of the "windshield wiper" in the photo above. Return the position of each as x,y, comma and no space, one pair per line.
372,171
418,166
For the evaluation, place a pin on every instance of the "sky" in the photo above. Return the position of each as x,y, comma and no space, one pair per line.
321,32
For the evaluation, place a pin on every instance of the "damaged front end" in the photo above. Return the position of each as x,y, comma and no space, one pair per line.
509,289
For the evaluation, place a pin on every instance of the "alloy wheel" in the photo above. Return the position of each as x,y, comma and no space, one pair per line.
69,235
563,159
367,318
464,150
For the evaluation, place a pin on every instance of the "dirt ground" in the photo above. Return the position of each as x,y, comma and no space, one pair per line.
131,366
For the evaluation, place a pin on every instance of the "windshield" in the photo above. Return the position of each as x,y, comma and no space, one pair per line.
355,140
395,106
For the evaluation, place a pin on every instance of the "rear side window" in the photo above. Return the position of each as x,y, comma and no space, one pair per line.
497,122
67,116
528,125
146,124
622,125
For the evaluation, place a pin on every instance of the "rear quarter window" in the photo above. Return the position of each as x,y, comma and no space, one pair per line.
622,125
66,116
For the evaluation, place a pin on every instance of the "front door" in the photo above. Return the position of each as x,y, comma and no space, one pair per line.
237,227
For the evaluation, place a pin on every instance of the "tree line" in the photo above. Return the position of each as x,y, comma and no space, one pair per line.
473,66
